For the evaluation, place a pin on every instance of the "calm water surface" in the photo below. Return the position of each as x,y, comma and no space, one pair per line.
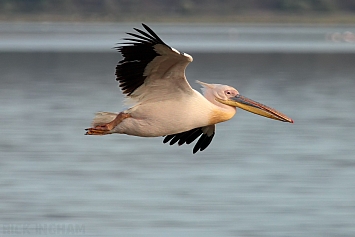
259,177
100,37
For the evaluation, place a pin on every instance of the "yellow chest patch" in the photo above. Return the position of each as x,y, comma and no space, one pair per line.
218,116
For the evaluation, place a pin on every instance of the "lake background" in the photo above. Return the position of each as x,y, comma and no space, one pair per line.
259,177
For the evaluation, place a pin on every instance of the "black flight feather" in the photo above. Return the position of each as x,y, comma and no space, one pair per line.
137,54
188,137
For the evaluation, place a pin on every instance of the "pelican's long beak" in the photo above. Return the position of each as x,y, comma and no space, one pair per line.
256,108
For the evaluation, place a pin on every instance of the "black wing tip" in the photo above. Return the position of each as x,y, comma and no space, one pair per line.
147,36
167,138
203,143
189,136
137,51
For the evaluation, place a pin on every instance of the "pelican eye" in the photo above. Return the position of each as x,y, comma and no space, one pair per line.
229,92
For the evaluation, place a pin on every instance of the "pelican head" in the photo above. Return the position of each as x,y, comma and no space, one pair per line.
229,96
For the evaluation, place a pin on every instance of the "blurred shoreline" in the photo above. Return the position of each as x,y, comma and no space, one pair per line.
185,11
252,17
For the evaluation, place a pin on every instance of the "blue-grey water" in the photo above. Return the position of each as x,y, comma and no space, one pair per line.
259,177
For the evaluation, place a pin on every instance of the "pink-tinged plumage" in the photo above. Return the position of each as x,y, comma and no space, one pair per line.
152,76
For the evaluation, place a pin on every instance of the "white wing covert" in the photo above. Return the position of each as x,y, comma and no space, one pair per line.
150,65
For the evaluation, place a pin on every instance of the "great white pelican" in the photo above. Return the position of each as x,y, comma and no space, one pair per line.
152,76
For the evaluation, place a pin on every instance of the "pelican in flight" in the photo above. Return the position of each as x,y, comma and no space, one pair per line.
152,76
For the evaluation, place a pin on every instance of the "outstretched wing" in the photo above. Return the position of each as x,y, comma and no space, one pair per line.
149,65
206,133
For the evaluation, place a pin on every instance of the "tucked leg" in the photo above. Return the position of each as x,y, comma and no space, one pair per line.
105,128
